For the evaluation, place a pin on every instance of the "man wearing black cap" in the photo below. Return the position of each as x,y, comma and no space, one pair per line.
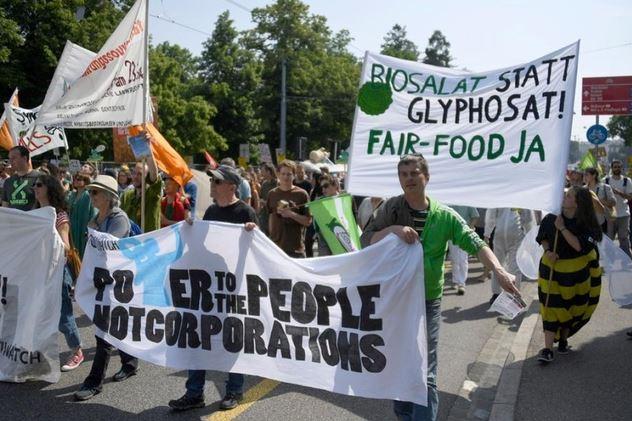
226,208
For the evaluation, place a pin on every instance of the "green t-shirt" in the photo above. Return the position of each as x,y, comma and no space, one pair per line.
130,203
18,191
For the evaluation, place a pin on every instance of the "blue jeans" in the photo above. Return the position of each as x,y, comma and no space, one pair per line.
67,324
196,379
409,411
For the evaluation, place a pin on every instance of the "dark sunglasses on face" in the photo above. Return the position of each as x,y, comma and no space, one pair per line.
94,192
39,184
325,185
216,181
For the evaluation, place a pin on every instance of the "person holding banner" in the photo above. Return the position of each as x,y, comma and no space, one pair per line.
331,187
111,219
413,216
227,207
17,192
569,280
50,192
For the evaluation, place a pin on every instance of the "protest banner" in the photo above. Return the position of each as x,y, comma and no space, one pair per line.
264,151
110,91
334,217
6,140
37,139
214,296
505,131
32,260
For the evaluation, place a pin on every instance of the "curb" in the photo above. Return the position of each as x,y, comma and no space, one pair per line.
504,406
499,363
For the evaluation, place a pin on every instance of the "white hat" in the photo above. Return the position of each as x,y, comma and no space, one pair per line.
104,182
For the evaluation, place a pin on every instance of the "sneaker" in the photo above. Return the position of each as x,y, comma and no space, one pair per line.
629,333
231,400
460,290
491,300
545,356
187,402
86,393
74,361
562,346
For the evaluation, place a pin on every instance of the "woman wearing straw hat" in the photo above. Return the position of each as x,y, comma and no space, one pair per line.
569,282
111,219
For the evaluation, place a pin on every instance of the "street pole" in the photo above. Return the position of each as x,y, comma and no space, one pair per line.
282,144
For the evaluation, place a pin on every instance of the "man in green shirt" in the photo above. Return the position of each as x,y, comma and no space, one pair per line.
413,217
131,200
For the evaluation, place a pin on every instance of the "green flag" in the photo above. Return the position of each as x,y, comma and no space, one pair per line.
334,217
588,161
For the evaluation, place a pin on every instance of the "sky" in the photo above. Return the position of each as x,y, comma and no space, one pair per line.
484,34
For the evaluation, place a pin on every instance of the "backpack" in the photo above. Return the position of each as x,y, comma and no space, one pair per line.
625,181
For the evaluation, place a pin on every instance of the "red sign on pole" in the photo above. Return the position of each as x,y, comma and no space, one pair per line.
607,95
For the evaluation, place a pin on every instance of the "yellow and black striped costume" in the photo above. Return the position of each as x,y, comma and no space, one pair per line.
573,292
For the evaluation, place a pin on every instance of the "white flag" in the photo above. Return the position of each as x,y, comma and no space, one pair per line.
37,139
492,139
110,91
72,63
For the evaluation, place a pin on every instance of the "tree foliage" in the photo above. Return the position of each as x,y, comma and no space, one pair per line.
231,77
621,125
397,45
438,50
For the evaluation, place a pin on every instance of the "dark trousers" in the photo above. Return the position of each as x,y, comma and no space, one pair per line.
101,361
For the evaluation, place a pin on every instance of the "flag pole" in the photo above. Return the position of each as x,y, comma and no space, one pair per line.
145,100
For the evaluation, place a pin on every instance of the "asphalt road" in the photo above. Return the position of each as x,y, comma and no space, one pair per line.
465,328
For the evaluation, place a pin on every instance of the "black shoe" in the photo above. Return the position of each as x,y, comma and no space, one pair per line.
124,374
231,400
491,300
562,346
629,333
545,356
187,402
86,393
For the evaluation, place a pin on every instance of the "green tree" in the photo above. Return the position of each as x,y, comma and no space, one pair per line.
397,45
438,50
231,77
621,125
321,75
184,116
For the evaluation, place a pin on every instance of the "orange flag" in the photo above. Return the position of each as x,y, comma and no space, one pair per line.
6,141
167,159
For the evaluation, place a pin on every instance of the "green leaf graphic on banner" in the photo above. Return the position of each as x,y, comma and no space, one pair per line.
374,98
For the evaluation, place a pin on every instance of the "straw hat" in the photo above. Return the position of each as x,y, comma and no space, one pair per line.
106,183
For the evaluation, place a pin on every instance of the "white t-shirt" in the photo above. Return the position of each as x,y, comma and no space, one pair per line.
622,204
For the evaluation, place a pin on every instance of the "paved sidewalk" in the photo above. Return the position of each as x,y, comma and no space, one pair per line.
592,382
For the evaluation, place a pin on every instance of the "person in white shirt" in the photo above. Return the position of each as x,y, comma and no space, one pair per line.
622,188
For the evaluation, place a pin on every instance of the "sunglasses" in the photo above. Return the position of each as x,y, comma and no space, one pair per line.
216,181
325,185
94,192
39,184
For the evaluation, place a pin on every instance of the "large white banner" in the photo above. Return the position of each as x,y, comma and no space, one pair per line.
213,296
492,139
31,266
109,92
24,132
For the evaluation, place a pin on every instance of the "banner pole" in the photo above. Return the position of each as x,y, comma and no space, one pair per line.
145,104
548,287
